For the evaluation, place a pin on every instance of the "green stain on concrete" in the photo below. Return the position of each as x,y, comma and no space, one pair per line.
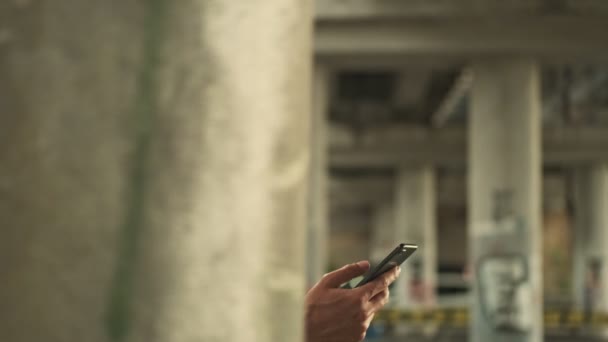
118,316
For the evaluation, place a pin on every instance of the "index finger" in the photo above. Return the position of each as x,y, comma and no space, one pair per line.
381,283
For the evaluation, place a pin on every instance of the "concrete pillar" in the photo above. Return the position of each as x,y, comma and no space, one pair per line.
590,274
415,222
154,163
596,270
318,232
384,238
383,232
504,202
582,189
411,219
557,241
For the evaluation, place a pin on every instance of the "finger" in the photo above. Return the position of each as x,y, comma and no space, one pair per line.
379,301
381,283
344,274
380,296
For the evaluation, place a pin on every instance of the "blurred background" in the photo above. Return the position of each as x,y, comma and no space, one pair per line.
165,175
478,131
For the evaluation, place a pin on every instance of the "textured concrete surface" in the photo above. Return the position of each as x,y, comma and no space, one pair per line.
154,162
505,201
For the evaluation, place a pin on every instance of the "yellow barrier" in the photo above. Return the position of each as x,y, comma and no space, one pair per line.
460,318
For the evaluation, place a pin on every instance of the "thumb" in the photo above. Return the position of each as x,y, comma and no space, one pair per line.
344,274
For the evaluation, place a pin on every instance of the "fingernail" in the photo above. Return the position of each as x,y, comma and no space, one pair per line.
362,263
398,270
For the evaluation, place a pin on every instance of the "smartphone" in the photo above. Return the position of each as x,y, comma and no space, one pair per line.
395,258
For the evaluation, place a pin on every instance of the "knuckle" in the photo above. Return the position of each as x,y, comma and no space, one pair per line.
361,312
362,303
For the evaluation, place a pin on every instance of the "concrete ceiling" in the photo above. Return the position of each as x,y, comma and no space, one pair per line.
399,87
361,98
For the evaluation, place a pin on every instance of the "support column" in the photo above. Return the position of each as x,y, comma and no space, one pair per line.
383,239
318,232
590,274
504,202
582,189
415,222
596,270
154,163
557,241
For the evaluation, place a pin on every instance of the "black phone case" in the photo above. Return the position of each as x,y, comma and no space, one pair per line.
395,258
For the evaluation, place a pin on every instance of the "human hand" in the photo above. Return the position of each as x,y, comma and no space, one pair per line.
343,315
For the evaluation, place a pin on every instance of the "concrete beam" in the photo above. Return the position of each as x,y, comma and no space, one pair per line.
365,9
371,191
548,38
447,108
397,145
385,9
360,192
371,62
